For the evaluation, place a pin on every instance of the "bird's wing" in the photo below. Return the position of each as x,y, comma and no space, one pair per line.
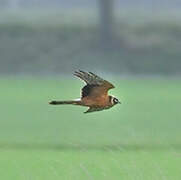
93,109
96,86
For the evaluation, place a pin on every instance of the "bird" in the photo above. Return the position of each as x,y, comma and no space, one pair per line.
94,94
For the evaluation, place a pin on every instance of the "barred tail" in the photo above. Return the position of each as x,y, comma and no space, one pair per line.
75,102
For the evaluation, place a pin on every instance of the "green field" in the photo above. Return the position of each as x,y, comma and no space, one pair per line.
140,139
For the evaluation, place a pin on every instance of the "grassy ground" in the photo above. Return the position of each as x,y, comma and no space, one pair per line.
139,139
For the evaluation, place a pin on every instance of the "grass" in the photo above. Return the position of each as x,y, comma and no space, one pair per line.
139,139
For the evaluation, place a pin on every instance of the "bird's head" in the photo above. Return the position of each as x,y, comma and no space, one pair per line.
114,100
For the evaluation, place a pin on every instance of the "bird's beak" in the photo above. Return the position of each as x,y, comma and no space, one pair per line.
119,102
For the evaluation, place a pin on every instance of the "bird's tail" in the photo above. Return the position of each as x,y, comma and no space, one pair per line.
73,102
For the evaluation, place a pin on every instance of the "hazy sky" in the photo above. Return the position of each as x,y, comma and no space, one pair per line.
93,3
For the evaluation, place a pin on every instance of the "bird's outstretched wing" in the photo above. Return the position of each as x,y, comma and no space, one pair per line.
96,86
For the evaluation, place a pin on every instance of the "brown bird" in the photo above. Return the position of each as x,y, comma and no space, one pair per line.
94,94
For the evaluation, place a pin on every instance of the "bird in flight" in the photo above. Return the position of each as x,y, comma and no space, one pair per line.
94,94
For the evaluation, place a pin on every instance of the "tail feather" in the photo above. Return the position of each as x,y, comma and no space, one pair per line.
74,102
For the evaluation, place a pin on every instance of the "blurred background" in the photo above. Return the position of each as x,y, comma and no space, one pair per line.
134,44
117,37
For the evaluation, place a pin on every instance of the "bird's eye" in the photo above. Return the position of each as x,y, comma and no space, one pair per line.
115,100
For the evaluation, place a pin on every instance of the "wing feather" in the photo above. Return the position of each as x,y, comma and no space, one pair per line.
93,109
101,86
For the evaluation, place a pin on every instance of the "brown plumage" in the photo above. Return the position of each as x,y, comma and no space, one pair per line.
94,94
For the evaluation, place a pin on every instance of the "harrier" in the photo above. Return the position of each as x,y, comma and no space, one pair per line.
94,94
